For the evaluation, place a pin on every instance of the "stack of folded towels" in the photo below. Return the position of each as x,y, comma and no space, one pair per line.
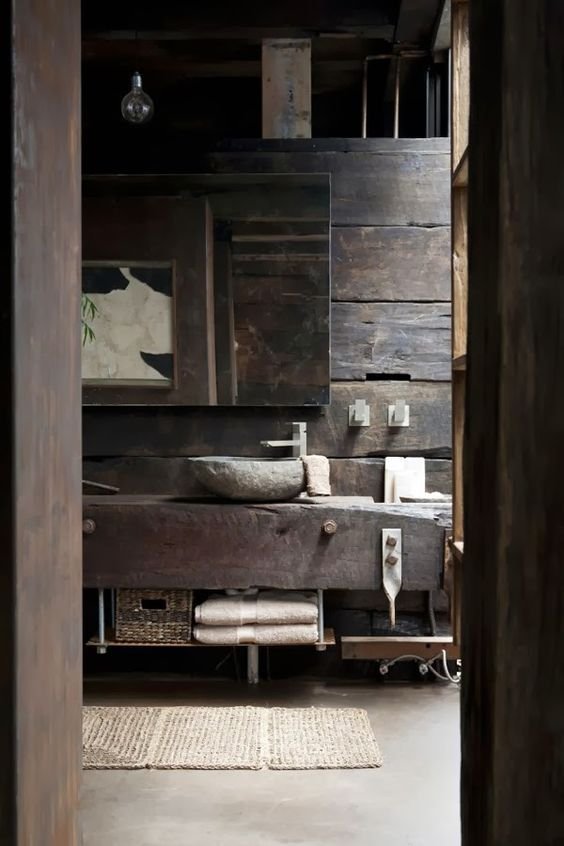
266,617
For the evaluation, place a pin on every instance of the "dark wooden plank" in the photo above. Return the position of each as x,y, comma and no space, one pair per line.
387,189
143,475
390,263
365,600
283,250
301,319
316,269
40,485
422,146
233,195
292,290
279,230
367,189
391,338
203,431
286,88
269,390
146,475
513,579
250,19
225,352
168,544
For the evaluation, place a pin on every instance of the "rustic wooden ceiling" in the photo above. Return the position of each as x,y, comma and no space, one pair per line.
201,62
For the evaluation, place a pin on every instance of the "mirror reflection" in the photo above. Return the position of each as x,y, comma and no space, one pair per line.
264,284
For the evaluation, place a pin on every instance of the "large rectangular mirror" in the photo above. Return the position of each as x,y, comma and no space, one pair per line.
206,290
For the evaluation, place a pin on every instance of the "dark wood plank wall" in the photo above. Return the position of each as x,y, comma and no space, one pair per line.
40,519
390,259
390,316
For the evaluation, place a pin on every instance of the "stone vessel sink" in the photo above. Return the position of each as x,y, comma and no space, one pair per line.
251,479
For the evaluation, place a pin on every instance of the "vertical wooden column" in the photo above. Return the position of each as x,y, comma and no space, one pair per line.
460,17
286,88
225,350
459,141
40,439
459,150
513,589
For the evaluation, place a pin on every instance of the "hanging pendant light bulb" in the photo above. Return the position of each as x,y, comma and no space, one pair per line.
137,107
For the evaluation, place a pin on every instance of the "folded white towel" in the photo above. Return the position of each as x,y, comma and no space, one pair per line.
268,607
318,475
260,635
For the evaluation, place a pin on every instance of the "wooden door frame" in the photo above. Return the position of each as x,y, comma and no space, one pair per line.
513,582
40,438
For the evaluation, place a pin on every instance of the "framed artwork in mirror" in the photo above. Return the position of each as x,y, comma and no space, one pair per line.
147,301
127,323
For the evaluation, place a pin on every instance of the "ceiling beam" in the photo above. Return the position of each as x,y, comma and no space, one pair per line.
416,23
175,20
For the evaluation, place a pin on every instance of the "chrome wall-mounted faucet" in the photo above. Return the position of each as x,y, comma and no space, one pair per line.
298,443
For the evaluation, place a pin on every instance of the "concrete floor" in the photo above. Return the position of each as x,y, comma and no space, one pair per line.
411,801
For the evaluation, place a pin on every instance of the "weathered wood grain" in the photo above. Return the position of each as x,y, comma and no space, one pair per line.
407,188
459,271
460,80
203,431
40,491
389,189
147,543
232,194
286,88
148,475
427,146
390,263
249,19
513,578
391,338
294,289
225,355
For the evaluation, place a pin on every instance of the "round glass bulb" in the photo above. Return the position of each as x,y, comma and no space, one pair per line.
137,106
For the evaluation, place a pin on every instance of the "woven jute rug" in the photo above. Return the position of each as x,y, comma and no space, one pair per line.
239,738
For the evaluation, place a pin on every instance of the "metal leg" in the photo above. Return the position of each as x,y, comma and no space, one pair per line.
431,613
253,664
321,647
101,649
113,600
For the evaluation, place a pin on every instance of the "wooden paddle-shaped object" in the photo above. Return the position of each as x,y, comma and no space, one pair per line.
391,568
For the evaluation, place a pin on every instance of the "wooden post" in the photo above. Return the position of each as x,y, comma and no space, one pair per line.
225,350
286,88
513,574
40,437
460,80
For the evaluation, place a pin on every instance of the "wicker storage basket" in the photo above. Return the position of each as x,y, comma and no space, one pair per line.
154,616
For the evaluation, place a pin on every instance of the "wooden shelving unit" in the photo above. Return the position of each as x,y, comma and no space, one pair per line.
390,648
459,137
